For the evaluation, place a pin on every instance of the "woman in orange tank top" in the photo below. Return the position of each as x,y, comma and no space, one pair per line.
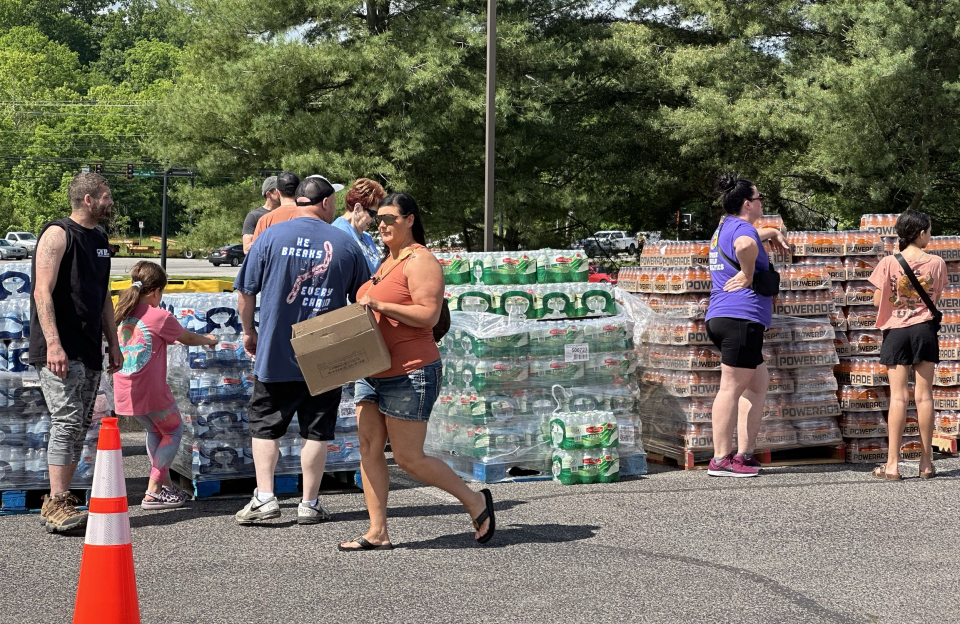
406,296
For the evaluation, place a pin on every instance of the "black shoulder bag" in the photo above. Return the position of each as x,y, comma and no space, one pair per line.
917,286
766,282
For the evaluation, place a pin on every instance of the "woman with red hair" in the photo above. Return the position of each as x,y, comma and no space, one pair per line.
361,207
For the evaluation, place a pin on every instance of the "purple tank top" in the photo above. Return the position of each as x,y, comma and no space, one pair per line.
743,303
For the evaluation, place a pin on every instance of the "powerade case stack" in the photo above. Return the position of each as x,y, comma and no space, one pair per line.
24,418
213,387
680,377
492,419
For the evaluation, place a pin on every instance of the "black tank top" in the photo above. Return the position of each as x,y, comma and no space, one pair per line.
78,296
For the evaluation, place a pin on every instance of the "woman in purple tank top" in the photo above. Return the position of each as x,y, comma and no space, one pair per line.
736,320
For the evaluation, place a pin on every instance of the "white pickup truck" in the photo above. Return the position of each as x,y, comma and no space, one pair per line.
23,239
610,242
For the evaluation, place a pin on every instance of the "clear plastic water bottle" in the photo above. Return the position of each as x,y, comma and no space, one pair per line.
591,461
18,356
608,468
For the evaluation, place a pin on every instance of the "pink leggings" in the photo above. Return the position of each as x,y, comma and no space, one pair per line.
164,429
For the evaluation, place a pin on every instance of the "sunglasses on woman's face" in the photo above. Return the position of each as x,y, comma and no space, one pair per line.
389,219
372,212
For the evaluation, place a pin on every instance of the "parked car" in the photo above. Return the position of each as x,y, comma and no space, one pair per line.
610,242
232,254
602,273
9,251
23,239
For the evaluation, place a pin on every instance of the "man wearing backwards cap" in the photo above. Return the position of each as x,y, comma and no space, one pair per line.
287,209
301,267
271,198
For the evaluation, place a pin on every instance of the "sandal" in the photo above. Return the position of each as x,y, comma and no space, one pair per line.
364,545
929,475
880,472
486,514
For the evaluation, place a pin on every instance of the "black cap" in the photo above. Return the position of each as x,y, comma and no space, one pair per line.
287,183
312,191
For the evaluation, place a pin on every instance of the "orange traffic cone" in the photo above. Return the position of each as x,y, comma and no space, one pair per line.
107,593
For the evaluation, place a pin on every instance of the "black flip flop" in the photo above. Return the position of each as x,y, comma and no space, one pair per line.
364,545
486,514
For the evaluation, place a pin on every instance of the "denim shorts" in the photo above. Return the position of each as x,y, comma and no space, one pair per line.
406,397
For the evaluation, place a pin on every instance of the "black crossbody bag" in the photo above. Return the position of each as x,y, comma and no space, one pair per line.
937,314
766,282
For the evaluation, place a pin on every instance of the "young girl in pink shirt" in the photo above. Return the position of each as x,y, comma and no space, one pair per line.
910,339
140,388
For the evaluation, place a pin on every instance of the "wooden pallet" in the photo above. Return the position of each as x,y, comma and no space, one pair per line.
14,502
799,456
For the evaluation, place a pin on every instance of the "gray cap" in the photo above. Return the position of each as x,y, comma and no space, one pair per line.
270,184
336,187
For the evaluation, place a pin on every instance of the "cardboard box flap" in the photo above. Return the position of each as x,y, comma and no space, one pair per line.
325,322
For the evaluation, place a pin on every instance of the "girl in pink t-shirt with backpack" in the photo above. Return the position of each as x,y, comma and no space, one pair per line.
140,388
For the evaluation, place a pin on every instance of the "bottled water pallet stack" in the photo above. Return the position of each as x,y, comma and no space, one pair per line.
492,420
24,418
212,387
680,377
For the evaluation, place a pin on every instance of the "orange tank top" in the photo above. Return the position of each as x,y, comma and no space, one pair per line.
410,347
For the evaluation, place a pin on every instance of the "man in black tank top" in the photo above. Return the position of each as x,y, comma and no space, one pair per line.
71,312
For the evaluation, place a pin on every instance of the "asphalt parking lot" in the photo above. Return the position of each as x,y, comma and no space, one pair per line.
805,544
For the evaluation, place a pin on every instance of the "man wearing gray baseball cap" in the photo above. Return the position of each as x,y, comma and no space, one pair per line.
271,198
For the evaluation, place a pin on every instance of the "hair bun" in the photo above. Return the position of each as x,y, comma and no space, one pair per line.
726,183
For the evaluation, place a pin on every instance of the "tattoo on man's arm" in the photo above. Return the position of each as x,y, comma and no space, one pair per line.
48,320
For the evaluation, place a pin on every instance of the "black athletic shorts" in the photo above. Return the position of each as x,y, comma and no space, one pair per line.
273,405
740,341
910,345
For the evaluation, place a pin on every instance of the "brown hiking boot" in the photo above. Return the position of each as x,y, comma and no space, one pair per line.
60,513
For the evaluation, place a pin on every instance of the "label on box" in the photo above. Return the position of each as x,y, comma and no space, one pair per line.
863,431
809,283
674,261
946,403
946,254
804,360
30,379
882,230
793,412
784,386
859,273
777,334
865,405
949,328
949,353
953,279
812,249
949,303
576,352
805,309
862,249
812,332
860,298
865,457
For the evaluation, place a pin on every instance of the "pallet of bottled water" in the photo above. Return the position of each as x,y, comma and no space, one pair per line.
213,387
492,419
24,417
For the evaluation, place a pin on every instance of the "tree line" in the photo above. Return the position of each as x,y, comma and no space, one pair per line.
609,114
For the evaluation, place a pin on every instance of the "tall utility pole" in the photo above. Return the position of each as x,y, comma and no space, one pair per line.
489,219
163,226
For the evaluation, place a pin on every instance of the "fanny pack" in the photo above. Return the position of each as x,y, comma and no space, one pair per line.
766,282
937,314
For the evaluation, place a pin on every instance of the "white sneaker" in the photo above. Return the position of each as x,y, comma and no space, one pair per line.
255,511
312,515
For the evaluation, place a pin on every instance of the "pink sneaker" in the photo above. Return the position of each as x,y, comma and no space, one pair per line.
751,461
729,467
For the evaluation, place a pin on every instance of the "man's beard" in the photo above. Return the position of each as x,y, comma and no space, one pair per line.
100,212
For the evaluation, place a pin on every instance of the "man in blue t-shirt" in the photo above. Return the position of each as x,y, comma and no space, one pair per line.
300,268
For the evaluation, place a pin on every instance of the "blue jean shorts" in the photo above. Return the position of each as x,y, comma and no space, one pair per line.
406,397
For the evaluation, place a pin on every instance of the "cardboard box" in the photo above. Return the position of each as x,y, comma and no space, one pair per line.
339,347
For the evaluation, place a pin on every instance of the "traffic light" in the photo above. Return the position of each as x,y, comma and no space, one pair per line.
98,168
129,171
